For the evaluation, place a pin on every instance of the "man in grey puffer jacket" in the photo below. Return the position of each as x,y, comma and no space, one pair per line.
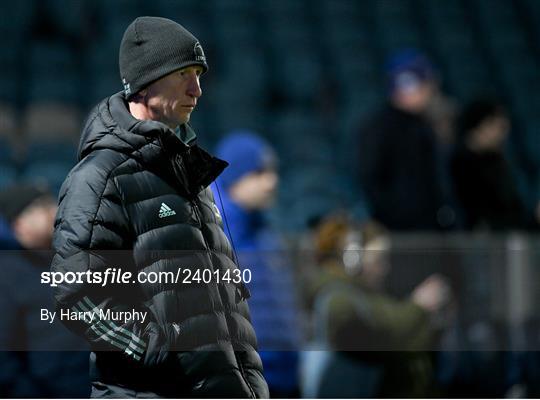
139,199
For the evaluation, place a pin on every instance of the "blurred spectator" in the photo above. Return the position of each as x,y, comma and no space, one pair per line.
381,342
398,154
481,172
246,188
28,213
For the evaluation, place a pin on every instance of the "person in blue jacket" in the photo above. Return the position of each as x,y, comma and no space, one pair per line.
245,190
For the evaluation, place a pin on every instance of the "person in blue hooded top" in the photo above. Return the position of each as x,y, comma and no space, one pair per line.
247,189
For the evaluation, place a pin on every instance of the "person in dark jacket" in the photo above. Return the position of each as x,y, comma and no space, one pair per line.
247,189
485,185
380,344
31,366
397,158
141,188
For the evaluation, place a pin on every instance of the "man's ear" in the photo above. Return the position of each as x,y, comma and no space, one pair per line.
140,96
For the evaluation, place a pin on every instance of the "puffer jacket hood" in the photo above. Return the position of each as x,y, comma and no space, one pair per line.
111,126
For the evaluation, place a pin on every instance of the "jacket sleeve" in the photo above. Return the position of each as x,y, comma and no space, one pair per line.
92,233
362,320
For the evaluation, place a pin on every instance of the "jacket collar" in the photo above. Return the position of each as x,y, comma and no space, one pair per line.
187,167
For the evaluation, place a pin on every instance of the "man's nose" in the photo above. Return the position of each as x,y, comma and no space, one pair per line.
194,87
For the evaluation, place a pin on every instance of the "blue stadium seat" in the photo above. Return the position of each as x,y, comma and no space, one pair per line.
294,122
394,40
386,8
101,58
447,10
452,41
528,128
236,31
300,138
341,10
10,57
236,6
244,78
495,14
64,88
172,8
121,12
360,73
289,32
520,76
292,7
10,88
54,73
8,175
299,74
45,151
229,117
7,152
16,18
69,17
103,86
468,75
51,173
309,192
340,36
52,57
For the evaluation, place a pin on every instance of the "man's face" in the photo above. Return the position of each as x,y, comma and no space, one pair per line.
172,99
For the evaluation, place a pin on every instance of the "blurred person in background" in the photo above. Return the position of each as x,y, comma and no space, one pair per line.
399,167
486,187
483,179
247,189
381,344
29,212
141,187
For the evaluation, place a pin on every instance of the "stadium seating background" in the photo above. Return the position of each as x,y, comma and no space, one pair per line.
301,72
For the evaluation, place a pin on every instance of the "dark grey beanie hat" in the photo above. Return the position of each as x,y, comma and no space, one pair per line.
153,47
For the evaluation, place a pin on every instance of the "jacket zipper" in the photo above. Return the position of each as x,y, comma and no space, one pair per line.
178,168
238,362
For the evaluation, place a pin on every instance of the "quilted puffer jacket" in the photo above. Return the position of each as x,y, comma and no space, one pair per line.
139,200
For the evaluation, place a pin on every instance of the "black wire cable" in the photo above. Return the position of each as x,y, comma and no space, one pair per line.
227,225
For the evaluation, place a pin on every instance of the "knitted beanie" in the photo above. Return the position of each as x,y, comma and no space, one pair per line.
153,47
